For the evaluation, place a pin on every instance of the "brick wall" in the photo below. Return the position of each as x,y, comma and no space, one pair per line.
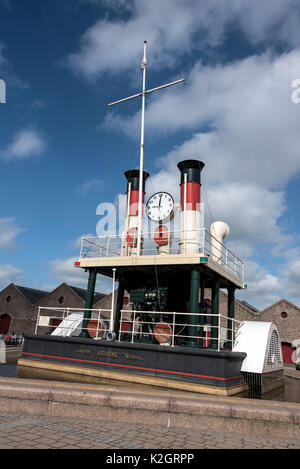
18,308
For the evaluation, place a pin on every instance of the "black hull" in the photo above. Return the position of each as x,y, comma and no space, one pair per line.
176,364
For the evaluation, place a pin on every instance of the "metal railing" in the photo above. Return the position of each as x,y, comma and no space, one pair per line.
164,328
194,241
212,333
69,321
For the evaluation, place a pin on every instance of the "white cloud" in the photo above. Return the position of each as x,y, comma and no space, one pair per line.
175,29
26,144
64,271
92,184
9,274
8,233
76,243
265,287
247,107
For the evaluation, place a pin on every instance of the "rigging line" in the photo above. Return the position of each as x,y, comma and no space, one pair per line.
106,143
206,196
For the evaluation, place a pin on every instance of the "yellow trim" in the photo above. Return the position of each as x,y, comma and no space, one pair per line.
169,259
86,374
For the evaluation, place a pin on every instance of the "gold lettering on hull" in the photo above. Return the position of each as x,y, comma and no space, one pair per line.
127,355
84,352
108,354
131,357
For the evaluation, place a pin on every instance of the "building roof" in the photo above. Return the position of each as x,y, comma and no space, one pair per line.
283,300
31,294
82,293
252,308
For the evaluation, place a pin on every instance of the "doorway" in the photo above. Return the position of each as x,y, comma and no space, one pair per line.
4,323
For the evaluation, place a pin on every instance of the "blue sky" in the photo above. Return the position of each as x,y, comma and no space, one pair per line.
62,153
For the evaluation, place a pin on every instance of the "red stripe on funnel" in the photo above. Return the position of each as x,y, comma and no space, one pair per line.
192,196
134,203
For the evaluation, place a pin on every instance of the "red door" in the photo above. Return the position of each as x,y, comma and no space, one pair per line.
287,353
54,323
4,323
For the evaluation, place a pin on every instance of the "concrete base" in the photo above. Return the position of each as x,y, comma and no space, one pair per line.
167,409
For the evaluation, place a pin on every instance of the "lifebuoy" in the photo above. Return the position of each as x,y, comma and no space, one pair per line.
94,328
131,238
162,332
161,235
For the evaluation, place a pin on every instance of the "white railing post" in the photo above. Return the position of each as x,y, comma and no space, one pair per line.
37,321
173,329
120,326
219,332
98,321
133,326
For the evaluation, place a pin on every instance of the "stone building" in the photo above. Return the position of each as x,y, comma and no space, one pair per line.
286,316
16,308
19,306
243,310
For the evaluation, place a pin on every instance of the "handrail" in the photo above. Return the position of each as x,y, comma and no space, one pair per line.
137,323
113,246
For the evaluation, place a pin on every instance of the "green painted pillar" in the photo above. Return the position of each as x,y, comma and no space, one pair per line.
194,308
202,311
230,309
119,305
89,300
215,314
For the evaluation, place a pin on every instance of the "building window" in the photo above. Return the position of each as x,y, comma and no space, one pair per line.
8,298
61,300
284,314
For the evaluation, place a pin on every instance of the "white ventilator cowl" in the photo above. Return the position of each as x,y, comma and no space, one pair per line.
218,230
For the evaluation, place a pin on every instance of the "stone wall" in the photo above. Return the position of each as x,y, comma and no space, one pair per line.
286,316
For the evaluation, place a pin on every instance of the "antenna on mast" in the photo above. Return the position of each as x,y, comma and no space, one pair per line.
143,94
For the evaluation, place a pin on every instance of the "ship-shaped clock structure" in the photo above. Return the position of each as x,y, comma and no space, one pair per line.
168,335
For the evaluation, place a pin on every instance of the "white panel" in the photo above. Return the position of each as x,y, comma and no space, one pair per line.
69,326
44,321
254,338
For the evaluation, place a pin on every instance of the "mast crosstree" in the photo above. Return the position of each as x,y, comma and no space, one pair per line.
143,94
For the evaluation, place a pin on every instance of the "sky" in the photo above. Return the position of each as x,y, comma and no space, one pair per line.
63,151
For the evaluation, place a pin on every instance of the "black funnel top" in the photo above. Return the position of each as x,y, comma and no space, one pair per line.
192,168
133,176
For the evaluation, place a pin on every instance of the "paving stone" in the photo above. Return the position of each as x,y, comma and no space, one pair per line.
66,433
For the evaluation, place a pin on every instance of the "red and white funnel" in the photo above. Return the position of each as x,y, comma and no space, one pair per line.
132,207
190,217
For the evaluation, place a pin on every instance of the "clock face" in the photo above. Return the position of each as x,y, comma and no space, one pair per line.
160,206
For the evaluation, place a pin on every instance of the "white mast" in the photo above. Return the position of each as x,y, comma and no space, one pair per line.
143,95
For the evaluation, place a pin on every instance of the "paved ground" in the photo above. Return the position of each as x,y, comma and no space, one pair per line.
26,432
